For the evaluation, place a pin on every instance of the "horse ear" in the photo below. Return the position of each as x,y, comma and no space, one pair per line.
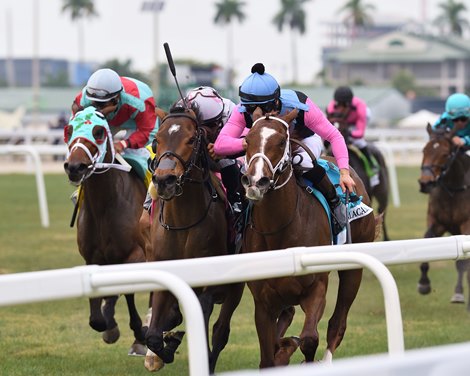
429,128
291,115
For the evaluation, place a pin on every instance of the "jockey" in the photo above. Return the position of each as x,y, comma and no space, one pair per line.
457,113
214,111
126,102
260,89
345,106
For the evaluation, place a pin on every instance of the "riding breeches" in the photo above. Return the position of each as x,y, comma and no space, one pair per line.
360,143
315,144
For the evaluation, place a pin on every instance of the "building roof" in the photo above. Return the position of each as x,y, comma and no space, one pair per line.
400,46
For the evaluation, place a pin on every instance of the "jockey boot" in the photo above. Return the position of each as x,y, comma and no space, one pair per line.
230,174
321,181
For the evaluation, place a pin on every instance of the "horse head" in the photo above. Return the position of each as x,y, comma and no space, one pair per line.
178,146
437,157
268,154
88,138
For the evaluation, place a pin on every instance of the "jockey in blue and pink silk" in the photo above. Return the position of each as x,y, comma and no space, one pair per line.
126,102
457,114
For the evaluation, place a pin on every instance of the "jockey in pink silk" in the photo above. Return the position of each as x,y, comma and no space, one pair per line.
261,90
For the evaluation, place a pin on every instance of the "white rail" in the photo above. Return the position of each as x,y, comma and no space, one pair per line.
106,280
41,188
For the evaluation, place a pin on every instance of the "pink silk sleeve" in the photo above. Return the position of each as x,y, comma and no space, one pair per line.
359,118
229,142
316,121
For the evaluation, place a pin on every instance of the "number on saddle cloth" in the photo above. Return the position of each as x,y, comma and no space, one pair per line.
356,208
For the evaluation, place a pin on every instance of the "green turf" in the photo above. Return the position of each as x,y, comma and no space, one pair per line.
53,338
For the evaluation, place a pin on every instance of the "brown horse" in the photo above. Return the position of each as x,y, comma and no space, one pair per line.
108,219
380,192
444,176
281,211
188,221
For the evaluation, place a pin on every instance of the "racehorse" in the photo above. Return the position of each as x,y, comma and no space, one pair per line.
444,176
110,203
379,192
188,221
281,211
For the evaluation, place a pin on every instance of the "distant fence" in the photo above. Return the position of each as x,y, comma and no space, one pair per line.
92,281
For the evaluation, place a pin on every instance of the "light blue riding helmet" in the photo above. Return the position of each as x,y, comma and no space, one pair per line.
259,87
458,105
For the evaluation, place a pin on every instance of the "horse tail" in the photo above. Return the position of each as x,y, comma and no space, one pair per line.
379,219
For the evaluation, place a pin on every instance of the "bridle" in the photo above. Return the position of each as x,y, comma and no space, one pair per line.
164,162
282,165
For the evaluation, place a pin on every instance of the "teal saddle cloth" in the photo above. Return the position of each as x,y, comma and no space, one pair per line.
333,174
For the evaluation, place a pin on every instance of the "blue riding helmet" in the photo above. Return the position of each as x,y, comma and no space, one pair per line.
458,105
259,87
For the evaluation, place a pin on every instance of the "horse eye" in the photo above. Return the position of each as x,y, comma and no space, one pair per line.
99,134
154,145
191,140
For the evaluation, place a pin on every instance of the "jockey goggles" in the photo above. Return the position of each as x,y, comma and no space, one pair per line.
265,107
100,95
460,118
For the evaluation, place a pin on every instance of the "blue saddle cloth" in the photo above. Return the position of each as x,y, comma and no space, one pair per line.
333,174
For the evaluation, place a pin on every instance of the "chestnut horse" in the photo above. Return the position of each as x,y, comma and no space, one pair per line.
110,203
281,211
188,221
445,177
380,192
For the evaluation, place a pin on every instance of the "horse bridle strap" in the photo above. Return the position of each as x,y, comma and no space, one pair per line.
283,162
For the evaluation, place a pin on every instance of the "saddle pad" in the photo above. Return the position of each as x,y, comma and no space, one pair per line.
356,208
138,159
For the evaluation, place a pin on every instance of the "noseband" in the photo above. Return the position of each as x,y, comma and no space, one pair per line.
283,163
165,162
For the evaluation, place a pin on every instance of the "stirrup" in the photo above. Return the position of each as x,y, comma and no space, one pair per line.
74,197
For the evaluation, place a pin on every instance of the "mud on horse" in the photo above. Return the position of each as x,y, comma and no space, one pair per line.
110,203
445,177
188,221
285,215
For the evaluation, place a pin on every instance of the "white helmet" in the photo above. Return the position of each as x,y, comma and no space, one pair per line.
211,104
103,85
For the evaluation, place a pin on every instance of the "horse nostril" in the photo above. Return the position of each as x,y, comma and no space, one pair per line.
263,183
245,180
165,180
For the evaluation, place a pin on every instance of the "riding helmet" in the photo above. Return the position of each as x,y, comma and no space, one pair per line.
458,105
343,94
259,87
103,85
211,104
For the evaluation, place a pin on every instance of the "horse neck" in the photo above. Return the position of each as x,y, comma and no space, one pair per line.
459,171
276,207
106,189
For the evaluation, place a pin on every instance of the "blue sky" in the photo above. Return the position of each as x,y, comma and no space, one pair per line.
123,31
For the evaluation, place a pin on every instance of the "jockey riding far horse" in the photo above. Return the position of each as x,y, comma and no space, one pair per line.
109,200
350,115
280,211
444,176
188,221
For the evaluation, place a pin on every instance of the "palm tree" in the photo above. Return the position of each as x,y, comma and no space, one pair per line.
227,10
293,14
357,15
79,9
451,17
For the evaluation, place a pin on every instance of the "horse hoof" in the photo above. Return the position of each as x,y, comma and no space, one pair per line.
137,349
424,289
457,298
111,335
152,362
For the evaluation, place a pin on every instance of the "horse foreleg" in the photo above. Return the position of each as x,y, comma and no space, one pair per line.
135,323
424,283
111,334
349,283
96,320
221,328
266,329
284,321
313,306
458,297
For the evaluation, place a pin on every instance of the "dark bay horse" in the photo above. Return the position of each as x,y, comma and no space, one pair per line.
285,215
188,221
379,192
445,177
108,218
